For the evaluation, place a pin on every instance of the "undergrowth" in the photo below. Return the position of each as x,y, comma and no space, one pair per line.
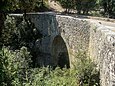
15,70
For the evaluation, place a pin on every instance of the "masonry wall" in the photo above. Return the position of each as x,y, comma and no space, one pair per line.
102,51
76,33
47,25
98,40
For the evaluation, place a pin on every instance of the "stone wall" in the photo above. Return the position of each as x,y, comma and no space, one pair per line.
102,51
98,40
75,33
47,25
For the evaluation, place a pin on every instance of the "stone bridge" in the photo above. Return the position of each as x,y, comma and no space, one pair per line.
61,35
64,36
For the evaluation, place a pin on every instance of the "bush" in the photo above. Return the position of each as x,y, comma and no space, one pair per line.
8,33
57,77
12,64
16,71
19,32
84,73
87,73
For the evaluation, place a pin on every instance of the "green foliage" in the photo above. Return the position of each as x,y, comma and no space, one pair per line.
57,77
22,5
109,7
12,65
86,70
16,71
86,5
27,5
81,5
7,5
68,4
9,31
41,6
18,33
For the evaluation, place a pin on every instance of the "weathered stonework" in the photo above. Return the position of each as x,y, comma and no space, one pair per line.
79,34
102,51
65,35
75,33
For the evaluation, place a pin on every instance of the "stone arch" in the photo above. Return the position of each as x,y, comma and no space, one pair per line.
59,53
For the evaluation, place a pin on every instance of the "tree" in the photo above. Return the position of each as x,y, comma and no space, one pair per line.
78,6
67,4
85,5
5,5
12,5
27,5
81,5
109,7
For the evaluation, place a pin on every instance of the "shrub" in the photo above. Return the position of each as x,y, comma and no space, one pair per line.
87,73
19,32
12,64
45,76
16,71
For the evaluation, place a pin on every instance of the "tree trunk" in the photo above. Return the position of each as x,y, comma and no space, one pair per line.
42,3
2,18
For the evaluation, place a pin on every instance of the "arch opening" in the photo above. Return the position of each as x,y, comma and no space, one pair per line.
59,52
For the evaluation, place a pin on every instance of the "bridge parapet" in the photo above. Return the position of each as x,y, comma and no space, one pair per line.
102,51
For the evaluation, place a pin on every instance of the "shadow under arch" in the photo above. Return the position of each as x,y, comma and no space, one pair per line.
59,53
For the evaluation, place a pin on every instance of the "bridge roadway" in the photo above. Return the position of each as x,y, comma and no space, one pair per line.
107,22
104,21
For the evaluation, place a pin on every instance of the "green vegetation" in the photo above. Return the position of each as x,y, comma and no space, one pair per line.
13,65
22,5
86,70
109,7
79,5
104,7
16,70
19,33
19,6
